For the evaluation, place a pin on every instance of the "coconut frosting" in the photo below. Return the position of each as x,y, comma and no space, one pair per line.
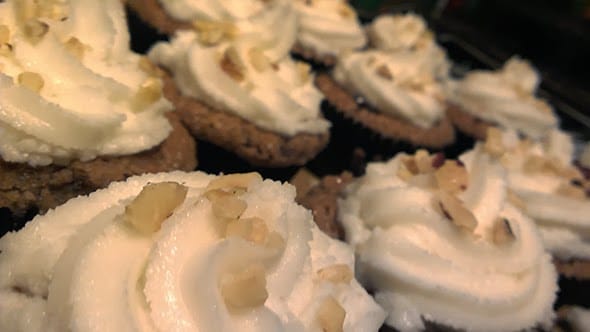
548,188
400,84
506,97
240,78
233,253
328,27
439,241
70,88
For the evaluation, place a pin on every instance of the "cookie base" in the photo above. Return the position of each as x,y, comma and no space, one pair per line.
23,187
257,146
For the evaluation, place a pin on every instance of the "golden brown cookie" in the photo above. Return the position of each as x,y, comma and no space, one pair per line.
257,146
23,187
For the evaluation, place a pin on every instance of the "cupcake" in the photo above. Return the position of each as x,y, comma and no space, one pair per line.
78,109
504,98
439,244
390,95
326,29
549,188
242,91
181,251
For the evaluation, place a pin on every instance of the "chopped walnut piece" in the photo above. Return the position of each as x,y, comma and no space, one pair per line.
148,93
303,71
75,47
502,232
423,161
6,49
331,315
258,60
345,10
153,205
409,162
494,144
452,177
337,273
242,180
384,72
228,207
31,81
251,229
35,30
4,34
232,65
212,32
245,289
453,209
149,67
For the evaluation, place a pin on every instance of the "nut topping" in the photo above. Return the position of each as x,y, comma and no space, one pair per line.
384,72
75,47
245,289
31,81
232,65
337,273
303,71
331,315
153,205
149,68
493,144
35,30
251,229
345,10
258,60
6,49
148,93
211,33
228,207
502,232
242,181
453,209
452,177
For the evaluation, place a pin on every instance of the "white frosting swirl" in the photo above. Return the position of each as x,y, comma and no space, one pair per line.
280,97
422,266
91,105
506,97
402,84
83,269
328,26
272,21
538,173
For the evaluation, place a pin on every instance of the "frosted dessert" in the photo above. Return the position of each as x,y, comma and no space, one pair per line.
402,84
326,28
70,88
547,187
181,252
506,98
238,77
437,240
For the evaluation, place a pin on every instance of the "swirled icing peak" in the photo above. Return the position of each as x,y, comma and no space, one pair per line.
506,97
181,252
328,26
239,77
70,88
438,241
547,187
